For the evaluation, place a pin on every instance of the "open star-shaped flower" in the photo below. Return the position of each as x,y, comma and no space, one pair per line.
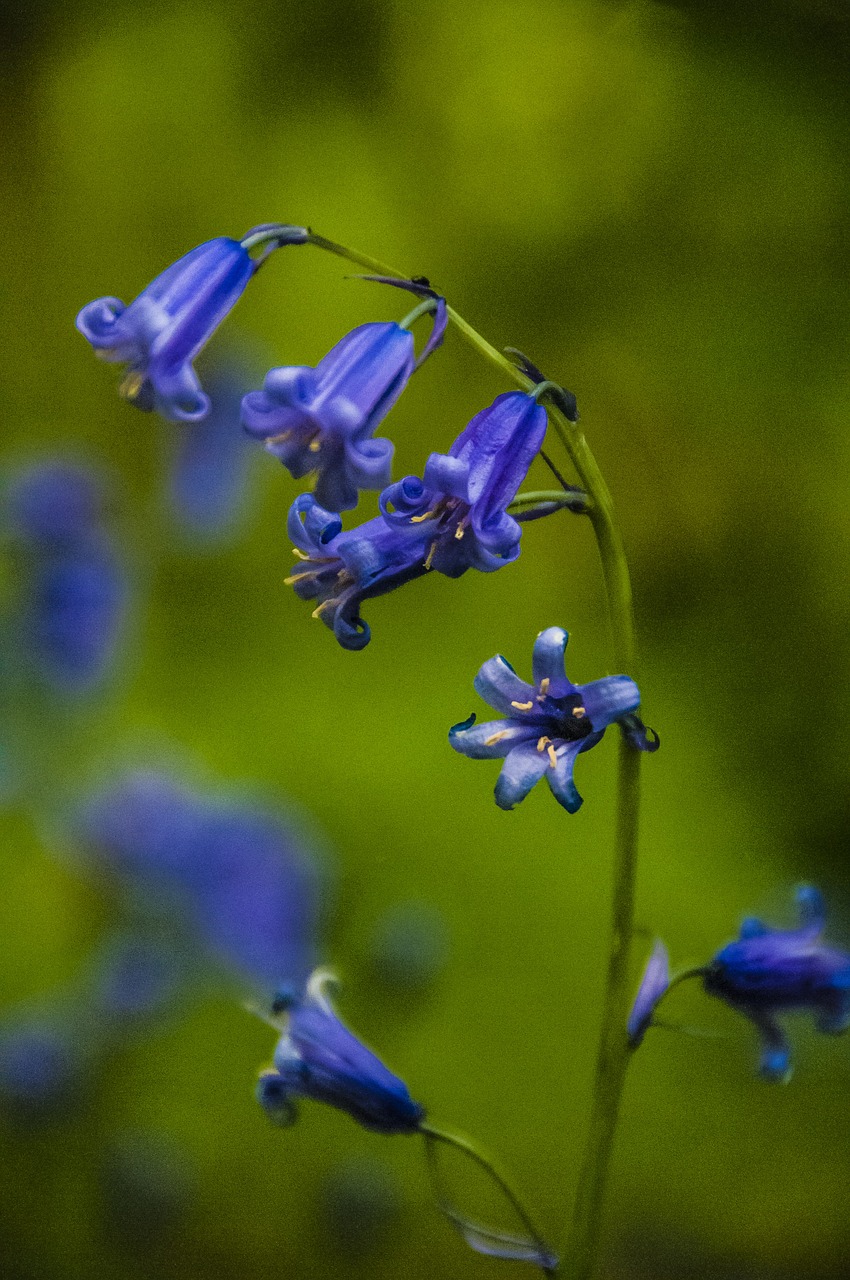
547,724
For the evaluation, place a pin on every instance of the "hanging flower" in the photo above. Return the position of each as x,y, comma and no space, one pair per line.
162,331
323,420
317,1057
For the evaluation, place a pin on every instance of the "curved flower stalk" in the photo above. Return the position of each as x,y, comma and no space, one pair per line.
322,421
162,331
547,724
454,520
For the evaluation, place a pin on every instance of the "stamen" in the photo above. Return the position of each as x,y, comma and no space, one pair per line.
522,706
553,758
459,532
279,438
419,519
496,737
431,554
542,742
314,446
301,555
132,385
544,688
326,604
578,712
296,577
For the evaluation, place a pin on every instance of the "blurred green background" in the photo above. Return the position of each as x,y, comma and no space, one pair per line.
651,200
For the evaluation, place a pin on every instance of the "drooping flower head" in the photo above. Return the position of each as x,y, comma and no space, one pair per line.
323,420
318,1058
653,985
162,331
73,584
460,504
768,971
547,724
454,520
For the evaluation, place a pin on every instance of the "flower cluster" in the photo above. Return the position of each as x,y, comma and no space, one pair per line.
764,973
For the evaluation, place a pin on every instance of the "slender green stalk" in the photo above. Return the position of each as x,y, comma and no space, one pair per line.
613,1054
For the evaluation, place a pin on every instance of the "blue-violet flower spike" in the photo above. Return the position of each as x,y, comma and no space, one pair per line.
322,420
159,334
317,1057
547,724
770,971
653,985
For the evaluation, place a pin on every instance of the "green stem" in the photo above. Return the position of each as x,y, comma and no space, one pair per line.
461,1143
613,1053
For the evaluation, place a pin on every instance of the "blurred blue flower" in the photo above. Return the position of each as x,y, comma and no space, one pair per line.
209,467
74,584
236,876
317,1057
39,1067
132,978
653,985
770,971
322,420
548,724
454,520
159,334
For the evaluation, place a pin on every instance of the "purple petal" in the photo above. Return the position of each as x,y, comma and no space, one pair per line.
560,778
547,662
477,741
812,910
499,685
447,476
523,767
607,699
653,985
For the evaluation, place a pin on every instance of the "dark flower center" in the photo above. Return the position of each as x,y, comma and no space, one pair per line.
572,720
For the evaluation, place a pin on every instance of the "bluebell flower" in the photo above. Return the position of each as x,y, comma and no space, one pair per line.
74,583
323,420
768,971
653,985
459,507
318,1058
162,331
453,520
547,724
40,1067
242,883
132,978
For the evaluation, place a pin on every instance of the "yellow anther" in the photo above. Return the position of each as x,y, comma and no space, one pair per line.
544,688
296,577
278,439
431,554
314,446
578,712
542,742
459,531
301,555
522,706
419,519
553,759
326,604
496,737
132,385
